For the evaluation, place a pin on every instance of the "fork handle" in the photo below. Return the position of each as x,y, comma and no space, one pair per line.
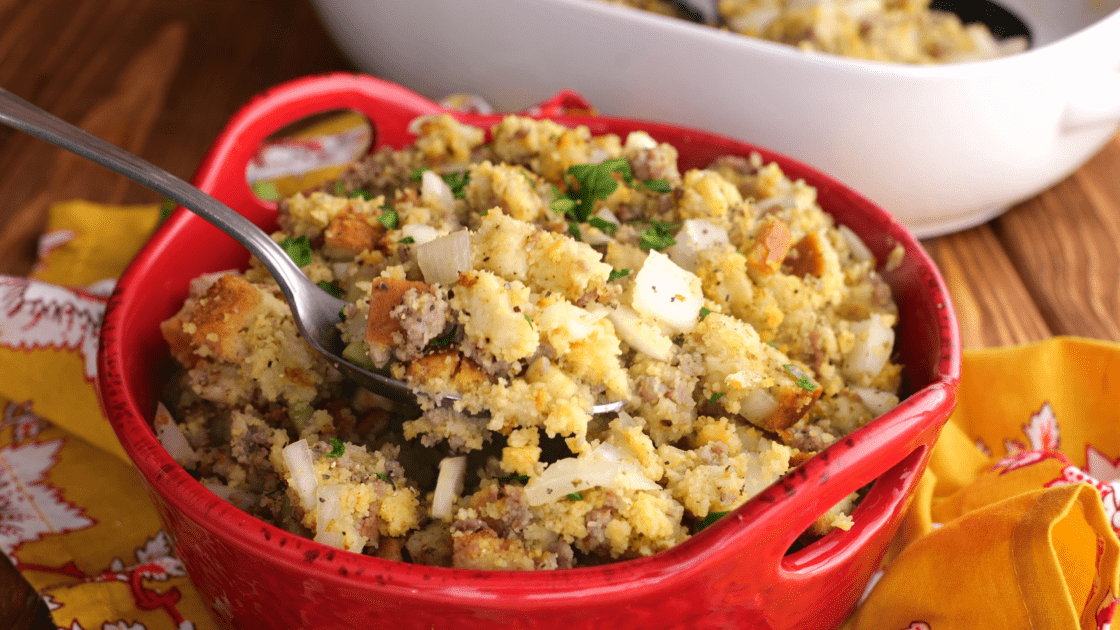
18,113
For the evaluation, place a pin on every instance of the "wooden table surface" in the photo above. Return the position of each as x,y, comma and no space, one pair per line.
160,78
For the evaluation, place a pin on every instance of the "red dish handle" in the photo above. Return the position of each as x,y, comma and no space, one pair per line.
890,451
893,454
388,107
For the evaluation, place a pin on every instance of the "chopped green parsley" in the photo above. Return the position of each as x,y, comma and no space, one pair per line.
299,249
803,380
656,185
337,448
458,183
618,273
265,190
707,521
657,236
331,288
388,218
604,226
586,184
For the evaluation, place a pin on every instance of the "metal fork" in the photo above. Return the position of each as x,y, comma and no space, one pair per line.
317,313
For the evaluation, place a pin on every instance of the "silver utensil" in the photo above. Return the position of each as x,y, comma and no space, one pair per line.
317,313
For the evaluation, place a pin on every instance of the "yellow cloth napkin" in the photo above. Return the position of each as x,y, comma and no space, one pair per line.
1014,523
74,516
1012,527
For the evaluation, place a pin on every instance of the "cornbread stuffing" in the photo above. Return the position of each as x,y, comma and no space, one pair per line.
534,275
900,31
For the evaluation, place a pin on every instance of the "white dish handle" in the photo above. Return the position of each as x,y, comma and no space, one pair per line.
1095,105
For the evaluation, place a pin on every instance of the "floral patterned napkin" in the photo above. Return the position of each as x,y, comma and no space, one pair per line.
1013,526
1014,523
75,519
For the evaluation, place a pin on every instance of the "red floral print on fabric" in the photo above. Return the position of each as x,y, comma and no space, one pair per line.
1043,439
25,423
1043,442
37,315
33,508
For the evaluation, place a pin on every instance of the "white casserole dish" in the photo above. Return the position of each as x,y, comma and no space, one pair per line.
941,147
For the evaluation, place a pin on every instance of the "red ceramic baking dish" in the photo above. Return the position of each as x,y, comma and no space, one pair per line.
738,573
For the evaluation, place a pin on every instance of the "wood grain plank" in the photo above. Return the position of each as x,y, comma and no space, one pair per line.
68,58
1099,178
124,118
18,16
262,44
64,49
1064,244
992,303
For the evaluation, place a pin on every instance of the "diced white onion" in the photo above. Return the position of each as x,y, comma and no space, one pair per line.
328,510
872,349
605,214
877,401
604,467
755,21
341,269
449,485
984,43
855,244
1012,45
415,125
757,405
238,497
420,232
640,335
860,9
220,489
435,192
695,236
668,294
640,141
442,259
565,317
301,472
172,438
596,237
785,201
597,155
